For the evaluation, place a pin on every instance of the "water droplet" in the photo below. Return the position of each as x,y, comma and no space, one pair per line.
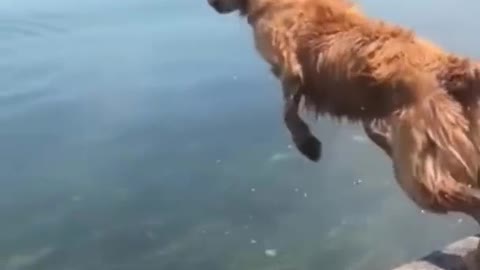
359,138
297,190
422,211
460,220
253,241
305,195
218,161
271,252
252,189
279,157
358,182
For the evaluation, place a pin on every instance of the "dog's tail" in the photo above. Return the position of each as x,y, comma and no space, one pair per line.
435,160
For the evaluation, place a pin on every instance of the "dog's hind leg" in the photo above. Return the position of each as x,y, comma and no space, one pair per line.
379,131
301,134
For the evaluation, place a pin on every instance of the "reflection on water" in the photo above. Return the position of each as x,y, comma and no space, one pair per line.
147,135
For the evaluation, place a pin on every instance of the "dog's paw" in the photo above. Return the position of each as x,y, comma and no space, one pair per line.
311,148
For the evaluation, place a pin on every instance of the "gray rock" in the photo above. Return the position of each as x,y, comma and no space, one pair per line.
456,256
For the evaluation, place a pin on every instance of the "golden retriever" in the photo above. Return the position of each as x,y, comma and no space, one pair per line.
416,101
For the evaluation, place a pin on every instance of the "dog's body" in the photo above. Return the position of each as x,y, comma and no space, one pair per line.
416,101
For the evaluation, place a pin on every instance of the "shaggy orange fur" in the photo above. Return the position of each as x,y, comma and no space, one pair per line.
349,66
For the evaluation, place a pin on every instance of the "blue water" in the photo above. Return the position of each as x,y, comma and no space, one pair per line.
146,134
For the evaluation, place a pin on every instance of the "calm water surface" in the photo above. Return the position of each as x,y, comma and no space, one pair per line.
147,135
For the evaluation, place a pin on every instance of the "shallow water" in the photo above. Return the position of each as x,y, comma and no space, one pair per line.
147,134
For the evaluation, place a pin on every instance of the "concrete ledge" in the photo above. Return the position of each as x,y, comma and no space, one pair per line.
456,256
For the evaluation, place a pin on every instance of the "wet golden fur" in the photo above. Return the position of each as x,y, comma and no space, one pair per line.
348,66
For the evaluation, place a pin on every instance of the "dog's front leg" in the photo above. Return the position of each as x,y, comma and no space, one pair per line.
302,137
379,132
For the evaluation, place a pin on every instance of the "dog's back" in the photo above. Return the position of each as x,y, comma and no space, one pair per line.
336,51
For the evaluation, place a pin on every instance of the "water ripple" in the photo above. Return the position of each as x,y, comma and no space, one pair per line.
16,27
